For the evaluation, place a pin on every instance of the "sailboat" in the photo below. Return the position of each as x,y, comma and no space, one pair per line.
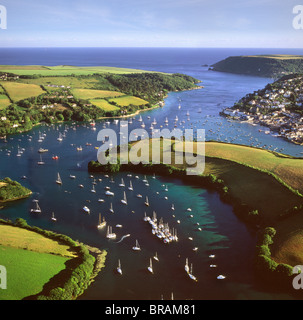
110,234
59,181
86,209
53,217
186,266
37,209
111,209
119,270
41,162
130,186
124,200
93,189
60,137
109,193
146,201
101,224
172,207
137,246
122,183
190,274
150,268
156,257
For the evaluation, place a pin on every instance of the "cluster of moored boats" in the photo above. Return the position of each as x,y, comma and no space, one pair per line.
160,229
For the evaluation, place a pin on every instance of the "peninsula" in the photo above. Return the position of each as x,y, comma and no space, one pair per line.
30,95
270,66
12,190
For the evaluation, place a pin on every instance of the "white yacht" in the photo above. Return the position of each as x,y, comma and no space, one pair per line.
59,181
53,217
110,234
156,257
190,274
119,269
101,224
186,266
111,209
150,268
124,200
86,209
122,183
137,246
146,201
109,193
37,209
130,186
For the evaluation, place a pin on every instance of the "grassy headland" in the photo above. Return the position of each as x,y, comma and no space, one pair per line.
271,66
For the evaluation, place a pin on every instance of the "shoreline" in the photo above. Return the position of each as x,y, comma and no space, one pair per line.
160,104
222,114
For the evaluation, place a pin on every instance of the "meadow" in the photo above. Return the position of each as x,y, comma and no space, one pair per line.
19,91
87,94
103,104
31,260
64,70
125,101
4,101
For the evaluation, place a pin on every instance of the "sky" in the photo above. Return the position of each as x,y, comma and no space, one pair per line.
151,23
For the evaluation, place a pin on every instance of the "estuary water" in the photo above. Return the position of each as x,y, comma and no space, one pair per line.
223,245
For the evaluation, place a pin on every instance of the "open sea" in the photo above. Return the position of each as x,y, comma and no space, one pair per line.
225,245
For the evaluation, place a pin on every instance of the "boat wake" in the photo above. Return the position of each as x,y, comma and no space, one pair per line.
125,236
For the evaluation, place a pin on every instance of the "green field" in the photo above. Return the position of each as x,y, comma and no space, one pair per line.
27,271
285,168
64,70
103,104
20,91
94,94
4,101
31,260
127,100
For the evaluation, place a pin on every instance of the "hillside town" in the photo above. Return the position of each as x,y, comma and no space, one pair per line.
279,107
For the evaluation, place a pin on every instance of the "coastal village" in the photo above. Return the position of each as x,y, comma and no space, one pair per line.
279,107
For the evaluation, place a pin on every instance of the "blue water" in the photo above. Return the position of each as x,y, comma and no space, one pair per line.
222,233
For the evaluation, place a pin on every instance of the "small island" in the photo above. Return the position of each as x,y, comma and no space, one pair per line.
12,190
270,66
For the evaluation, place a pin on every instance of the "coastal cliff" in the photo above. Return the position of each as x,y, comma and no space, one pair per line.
271,66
